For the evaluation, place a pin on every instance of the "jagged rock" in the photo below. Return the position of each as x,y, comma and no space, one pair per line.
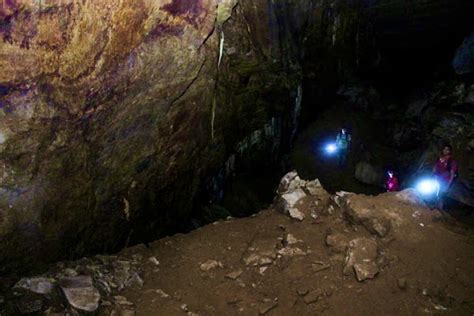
313,296
210,264
80,292
285,182
361,252
365,270
38,285
296,214
234,274
291,240
290,199
337,242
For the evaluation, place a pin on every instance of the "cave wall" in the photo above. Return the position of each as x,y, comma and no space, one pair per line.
114,114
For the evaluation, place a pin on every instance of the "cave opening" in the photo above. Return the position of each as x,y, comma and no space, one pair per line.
391,92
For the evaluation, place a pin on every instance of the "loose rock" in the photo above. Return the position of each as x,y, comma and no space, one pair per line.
80,293
362,252
234,274
313,296
210,264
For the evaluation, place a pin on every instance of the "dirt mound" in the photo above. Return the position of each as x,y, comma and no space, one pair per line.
312,253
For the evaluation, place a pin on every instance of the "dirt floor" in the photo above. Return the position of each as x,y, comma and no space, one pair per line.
422,263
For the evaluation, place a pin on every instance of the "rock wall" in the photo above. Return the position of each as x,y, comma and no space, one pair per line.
113,113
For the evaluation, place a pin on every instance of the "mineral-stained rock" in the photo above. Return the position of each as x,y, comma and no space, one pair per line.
105,113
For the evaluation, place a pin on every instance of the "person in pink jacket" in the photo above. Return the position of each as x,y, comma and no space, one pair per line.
445,171
392,183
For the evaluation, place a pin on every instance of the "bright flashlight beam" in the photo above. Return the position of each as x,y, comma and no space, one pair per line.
428,187
331,148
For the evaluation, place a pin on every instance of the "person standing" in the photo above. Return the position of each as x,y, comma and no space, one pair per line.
445,171
392,183
343,141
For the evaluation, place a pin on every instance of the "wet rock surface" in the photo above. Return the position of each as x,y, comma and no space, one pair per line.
270,264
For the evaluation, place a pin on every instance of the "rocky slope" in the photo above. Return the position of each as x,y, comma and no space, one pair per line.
312,252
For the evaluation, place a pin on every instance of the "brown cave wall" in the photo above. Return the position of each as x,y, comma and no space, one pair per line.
114,112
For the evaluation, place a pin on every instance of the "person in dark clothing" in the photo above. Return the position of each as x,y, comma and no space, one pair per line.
343,141
445,171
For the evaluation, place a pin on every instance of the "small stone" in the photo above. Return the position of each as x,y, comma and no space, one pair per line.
296,214
302,291
122,300
210,264
313,296
402,283
291,240
154,261
234,274
267,306
184,308
320,266
262,269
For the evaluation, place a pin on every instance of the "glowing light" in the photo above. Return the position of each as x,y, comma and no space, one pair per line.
331,148
428,187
